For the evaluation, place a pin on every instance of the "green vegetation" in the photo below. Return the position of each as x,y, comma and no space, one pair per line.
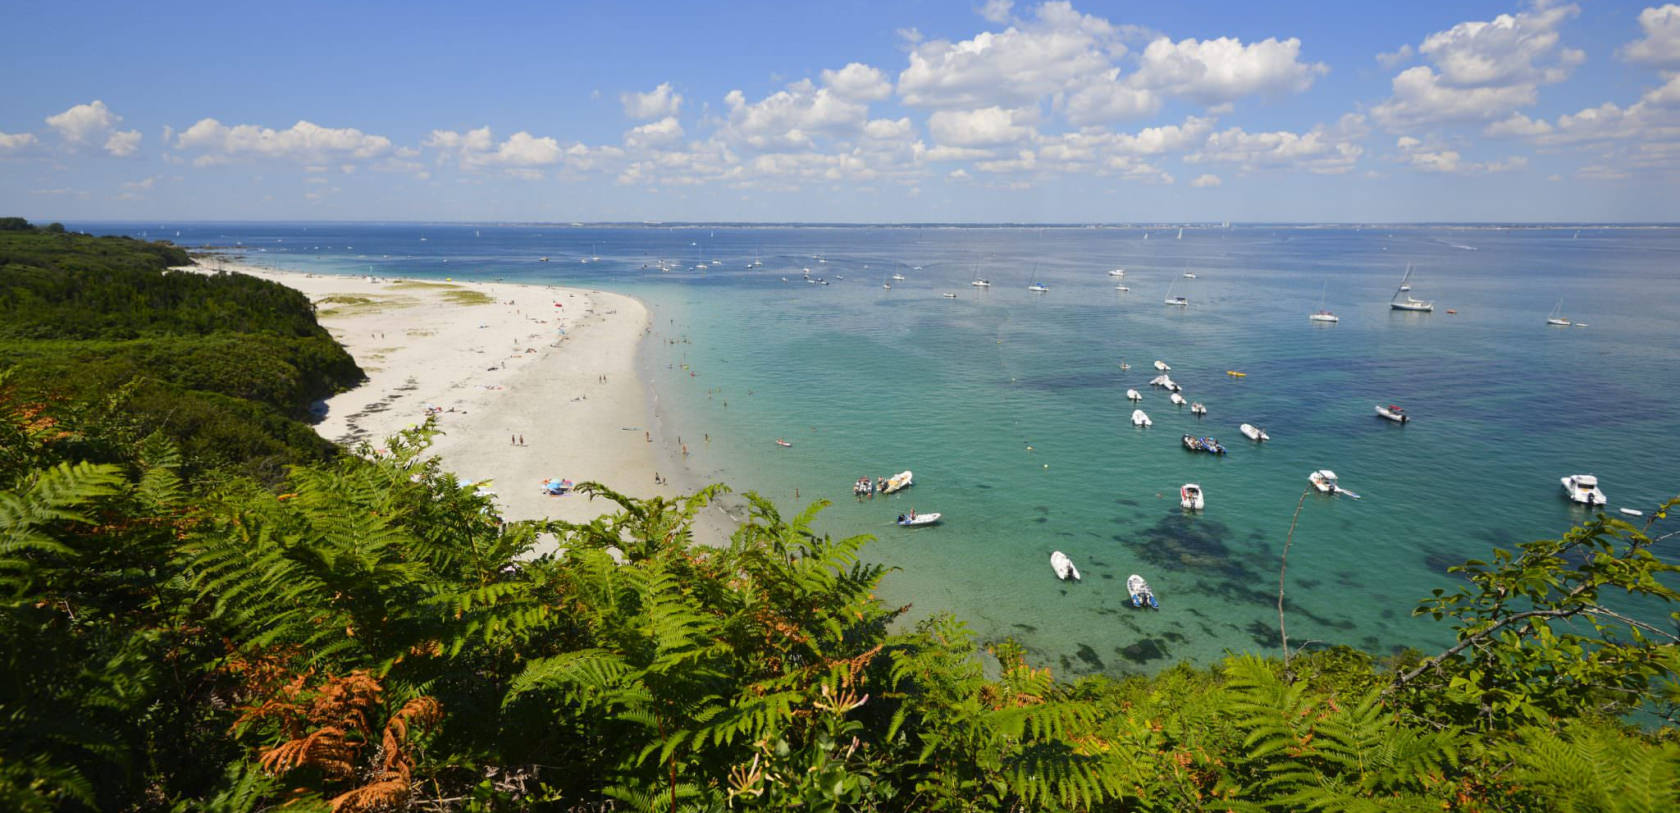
362,632
468,297
224,365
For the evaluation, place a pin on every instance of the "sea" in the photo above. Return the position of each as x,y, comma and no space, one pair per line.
1010,406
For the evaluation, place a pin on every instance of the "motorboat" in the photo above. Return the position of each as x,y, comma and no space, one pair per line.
1254,433
1118,272
949,295
864,487
1140,419
1161,365
1063,566
1324,316
1134,395
1409,302
915,520
1583,488
1125,366
1141,595
1122,288
782,443
898,277
1160,380
1189,275
1209,445
1190,496
1197,409
1325,481
980,283
1236,373
897,483
1178,400
1393,413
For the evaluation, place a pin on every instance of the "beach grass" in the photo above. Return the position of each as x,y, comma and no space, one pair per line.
417,284
461,297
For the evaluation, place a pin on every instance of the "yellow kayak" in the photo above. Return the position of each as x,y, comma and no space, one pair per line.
1235,374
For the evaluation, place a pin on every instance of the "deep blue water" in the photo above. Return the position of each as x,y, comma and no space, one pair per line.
1010,408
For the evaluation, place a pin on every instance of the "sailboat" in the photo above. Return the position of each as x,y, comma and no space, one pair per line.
1036,286
1556,319
1409,303
1175,300
977,281
1323,315
1180,234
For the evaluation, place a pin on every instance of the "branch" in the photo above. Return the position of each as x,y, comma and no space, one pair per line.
1477,639
1283,567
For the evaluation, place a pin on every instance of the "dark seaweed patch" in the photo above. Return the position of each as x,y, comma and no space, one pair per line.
1144,651
1307,584
1089,656
1264,634
1025,627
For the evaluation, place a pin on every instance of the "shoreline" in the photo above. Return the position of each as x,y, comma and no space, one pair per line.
526,382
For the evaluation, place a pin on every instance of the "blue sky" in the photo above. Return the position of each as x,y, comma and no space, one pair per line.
842,111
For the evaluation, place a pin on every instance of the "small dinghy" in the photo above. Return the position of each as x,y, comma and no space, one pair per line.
1190,497
1196,409
1254,433
1178,400
1160,381
915,520
1209,445
782,443
1063,566
1141,595
949,295
1632,512
1140,419
1133,395
1161,365
897,482
1393,413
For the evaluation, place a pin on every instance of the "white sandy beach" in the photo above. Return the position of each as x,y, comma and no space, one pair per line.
536,382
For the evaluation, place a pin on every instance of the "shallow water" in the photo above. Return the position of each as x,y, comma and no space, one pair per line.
1010,408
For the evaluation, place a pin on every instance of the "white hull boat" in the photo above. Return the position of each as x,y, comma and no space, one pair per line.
1134,395
1393,413
949,295
1161,365
980,283
1121,288
1178,400
898,278
898,482
1197,409
1038,288
915,520
1583,488
1254,433
1063,566
1190,497
1408,302
1160,381
1325,481
1140,419
1118,272
1556,317
1141,595
1325,316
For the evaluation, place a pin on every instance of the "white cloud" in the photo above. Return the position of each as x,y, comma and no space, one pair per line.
1396,58
791,119
1205,181
657,103
1108,100
986,127
123,143
15,142
997,11
1058,51
889,129
476,149
84,122
1666,96
303,141
858,82
661,133
1224,69
1423,157
1321,150
1483,70
142,184
958,175
1661,44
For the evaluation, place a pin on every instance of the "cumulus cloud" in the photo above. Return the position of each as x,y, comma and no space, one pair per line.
791,119
1108,100
657,103
475,149
1224,69
997,11
84,123
1413,152
1395,58
123,143
1205,181
1321,150
15,142
661,133
1661,44
1057,51
858,82
1483,70
303,141
986,127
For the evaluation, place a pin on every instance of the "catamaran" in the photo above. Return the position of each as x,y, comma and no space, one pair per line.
1409,303
1556,319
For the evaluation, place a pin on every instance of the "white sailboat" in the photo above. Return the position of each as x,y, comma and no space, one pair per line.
1175,300
1322,315
977,281
1556,319
1118,272
1409,302
1036,286
1180,234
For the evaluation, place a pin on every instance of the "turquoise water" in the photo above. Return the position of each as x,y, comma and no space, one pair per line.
1010,407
